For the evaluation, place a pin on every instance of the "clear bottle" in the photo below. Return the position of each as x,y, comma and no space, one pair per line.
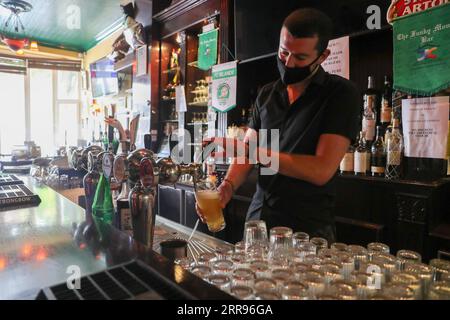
394,152
386,104
388,129
347,164
370,113
360,163
378,156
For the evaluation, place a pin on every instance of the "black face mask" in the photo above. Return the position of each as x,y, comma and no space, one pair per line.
294,75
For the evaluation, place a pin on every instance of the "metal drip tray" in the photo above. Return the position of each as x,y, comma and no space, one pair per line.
134,280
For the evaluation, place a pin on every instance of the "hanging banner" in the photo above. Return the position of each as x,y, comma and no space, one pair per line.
207,49
338,62
422,51
224,84
425,127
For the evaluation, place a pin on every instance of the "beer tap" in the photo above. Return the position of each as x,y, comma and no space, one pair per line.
146,173
142,204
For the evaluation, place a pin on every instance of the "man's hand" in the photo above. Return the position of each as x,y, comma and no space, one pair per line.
226,192
231,148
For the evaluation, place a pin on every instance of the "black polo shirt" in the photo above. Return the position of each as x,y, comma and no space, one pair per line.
329,105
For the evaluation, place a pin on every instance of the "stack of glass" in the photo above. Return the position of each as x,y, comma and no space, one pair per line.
291,266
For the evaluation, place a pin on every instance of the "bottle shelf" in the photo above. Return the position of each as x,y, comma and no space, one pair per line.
198,104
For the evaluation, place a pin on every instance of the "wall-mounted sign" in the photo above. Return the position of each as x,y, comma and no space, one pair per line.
422,52
425,127
224,84
338,62
207,49
401,8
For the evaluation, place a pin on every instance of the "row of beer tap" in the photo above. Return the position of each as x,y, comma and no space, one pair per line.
139,173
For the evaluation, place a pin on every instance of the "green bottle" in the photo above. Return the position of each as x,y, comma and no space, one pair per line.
102,207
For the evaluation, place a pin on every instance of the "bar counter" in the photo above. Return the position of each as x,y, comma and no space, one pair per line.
38,245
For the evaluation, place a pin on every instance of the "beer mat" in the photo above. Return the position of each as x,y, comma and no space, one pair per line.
9,179
17,196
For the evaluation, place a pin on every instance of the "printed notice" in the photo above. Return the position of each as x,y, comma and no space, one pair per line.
338,62
425,127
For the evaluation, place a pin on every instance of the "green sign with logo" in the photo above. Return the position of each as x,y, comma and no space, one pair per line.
207,49
422,51
224,83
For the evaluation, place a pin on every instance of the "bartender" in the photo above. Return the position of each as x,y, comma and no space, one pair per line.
316,114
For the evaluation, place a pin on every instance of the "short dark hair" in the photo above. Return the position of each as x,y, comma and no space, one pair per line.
308,22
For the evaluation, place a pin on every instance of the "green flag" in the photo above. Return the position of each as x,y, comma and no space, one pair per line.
422,51
207,49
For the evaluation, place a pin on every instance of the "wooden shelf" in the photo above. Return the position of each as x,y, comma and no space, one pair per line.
198,104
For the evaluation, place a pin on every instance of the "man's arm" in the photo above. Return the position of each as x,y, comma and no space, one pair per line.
317,169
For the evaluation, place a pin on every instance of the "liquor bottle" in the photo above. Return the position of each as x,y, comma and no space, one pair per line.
348,162
394,152
386,105
360,163
370,113
378,156
388,129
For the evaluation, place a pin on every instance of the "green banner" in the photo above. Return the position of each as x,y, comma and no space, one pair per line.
422,51
207,49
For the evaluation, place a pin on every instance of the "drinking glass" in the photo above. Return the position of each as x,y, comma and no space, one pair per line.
201,271
440,267
439,290
221,281
242,292
294,290
408,279
224,267
243,277
338,246
320,243
265,284
405,257
208,200
255,237
280,245
260,268
298,238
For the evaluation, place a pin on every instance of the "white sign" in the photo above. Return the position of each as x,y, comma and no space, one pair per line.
338,62
180,99
425,127
141,61
224,83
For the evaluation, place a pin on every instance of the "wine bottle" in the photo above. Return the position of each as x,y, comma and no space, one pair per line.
386,105
347,164
369,114
394,152
360,163
378,156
